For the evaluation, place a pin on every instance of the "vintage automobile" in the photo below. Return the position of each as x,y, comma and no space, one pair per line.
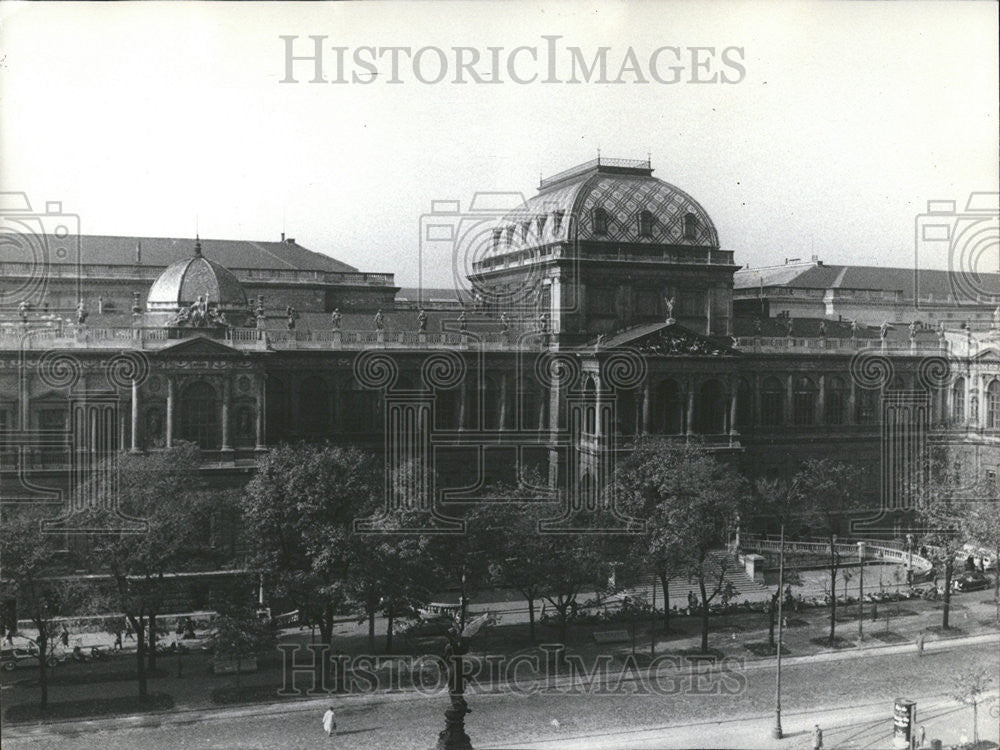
23,652
973,581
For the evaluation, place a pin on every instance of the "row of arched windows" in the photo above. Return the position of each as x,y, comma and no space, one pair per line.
992,402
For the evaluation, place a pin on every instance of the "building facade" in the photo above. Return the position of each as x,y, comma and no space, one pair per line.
601,310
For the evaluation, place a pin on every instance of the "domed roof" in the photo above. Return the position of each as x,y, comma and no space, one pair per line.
609,200
185,280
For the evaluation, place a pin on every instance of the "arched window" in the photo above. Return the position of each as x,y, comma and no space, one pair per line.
600,221
667,408
958,401
314,407
804,400
530,405
837,395
744,404
690,226
772,402
200,415
277,410
993,406
711,408
625,406
645,224
869,406
491,404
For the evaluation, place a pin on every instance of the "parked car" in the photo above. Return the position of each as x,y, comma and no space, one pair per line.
973,581
21,652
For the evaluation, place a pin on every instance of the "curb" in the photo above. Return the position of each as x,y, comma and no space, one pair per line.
183,716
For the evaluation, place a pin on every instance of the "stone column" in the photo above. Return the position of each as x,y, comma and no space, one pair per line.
690,405
788,416
645,407
852,401
170,412
136,407
734,388
226,396
821,404
503,401
259,406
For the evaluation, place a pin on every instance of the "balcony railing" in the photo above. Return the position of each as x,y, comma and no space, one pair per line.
16,337
830,345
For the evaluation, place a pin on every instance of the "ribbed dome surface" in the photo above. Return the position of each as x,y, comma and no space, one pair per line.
184,281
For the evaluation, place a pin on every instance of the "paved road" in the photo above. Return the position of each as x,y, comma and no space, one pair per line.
851,697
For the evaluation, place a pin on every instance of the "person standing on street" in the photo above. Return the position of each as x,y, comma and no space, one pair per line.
329,722
817,738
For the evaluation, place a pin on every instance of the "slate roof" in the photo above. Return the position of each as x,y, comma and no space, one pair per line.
940,284
160,252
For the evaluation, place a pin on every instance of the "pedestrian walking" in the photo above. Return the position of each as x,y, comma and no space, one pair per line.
920,644
118,640
874,611
128,631
923,736
64,637
817,738
329,722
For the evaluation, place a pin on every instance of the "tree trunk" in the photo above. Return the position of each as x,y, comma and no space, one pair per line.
833,593
140,658
704,613
665,583
389,617
151,660
43,675
326,637
371,631
948,565
531,619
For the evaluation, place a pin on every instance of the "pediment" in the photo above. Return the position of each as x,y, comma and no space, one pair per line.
991,353
198,346
668,339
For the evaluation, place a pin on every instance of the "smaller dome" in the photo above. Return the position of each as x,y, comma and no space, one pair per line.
184,281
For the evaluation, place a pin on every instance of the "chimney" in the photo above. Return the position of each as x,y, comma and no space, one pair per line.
290,240
282,236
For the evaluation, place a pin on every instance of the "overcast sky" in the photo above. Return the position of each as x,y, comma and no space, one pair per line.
841,121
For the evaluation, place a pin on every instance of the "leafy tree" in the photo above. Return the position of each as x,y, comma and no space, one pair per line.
777,501
980,524
970,688
830,493
508,525
298,511
942,503
31,563
163,489
690,500
240,633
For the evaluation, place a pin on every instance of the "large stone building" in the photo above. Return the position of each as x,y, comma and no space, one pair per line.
601,310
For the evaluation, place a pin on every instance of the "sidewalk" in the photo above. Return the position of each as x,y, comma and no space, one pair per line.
183,716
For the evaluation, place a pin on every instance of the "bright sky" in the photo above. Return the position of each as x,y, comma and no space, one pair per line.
154,119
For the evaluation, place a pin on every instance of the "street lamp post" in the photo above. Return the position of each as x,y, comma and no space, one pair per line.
453,736
861,590
776,731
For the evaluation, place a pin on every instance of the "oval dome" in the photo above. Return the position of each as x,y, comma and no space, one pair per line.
608,200
184,281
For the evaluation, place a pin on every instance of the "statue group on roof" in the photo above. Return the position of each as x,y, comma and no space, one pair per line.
199,314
